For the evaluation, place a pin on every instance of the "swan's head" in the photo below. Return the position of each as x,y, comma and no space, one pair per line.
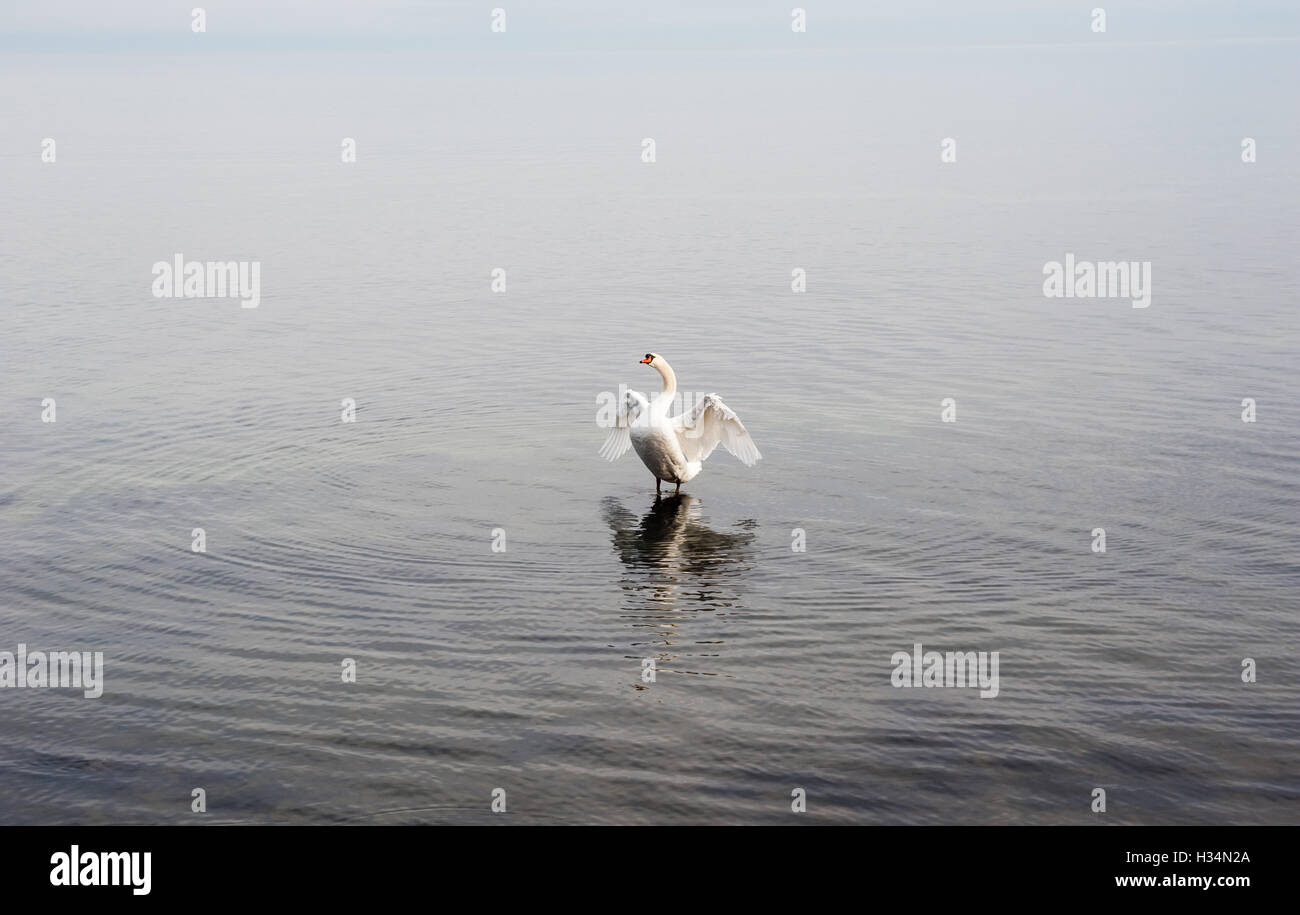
660,365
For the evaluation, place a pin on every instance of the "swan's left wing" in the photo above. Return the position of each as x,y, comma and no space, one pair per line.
712,423
620,437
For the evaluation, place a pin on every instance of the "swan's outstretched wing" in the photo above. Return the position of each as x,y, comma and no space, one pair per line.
712,423
620,436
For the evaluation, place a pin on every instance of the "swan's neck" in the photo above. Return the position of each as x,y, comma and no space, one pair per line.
670,383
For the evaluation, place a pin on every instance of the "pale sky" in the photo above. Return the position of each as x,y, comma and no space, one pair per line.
71,25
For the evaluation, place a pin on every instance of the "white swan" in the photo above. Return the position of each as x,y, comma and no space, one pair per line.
675,448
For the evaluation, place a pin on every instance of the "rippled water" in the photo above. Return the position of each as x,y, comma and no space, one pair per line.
522,669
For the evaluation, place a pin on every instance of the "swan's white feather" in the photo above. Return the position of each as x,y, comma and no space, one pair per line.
619,439
710,424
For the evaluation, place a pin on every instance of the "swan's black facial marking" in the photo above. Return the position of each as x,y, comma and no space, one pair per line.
649,357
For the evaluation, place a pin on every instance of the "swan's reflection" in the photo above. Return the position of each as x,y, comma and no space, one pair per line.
674,564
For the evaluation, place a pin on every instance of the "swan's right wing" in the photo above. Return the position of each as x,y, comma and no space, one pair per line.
710,424
620,436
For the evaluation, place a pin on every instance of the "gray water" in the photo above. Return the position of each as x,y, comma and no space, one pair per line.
522,669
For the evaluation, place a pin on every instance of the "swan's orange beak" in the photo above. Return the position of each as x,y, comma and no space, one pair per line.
645,361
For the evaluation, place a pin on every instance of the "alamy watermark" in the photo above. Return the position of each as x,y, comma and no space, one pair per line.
1100,280
610,405
82,670
184,279
953,668
102,868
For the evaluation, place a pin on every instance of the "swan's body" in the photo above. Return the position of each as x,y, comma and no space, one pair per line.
675,448
657,445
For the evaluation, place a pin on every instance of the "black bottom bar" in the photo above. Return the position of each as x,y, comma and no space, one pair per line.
304,863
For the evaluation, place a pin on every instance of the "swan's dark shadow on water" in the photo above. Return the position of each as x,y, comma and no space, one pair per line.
674,565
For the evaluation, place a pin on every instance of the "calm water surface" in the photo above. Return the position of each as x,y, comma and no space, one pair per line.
522,669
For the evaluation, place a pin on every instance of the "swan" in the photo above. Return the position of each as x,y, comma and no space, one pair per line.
675,448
